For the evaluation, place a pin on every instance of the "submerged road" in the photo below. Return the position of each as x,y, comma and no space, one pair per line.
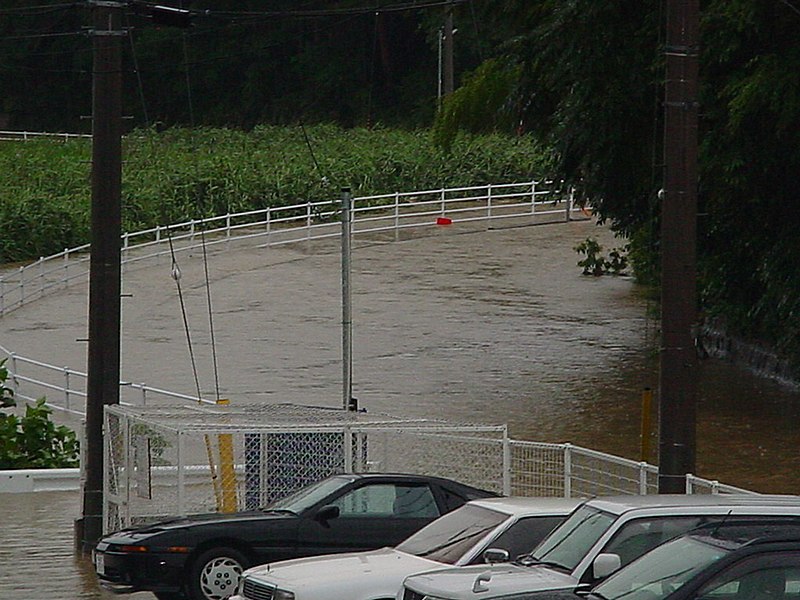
459,324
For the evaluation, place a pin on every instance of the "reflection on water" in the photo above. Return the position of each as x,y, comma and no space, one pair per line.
492,327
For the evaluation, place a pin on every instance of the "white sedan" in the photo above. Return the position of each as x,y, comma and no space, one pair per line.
507,527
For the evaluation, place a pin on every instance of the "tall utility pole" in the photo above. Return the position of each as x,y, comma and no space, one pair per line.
102,386
678,242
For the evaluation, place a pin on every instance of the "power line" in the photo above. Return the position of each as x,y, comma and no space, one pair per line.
38,9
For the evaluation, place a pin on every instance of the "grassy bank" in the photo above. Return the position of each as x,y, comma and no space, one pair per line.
183,174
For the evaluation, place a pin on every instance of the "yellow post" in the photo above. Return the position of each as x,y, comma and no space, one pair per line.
226,470
647,401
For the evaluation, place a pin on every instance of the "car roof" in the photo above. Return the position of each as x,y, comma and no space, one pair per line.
622,504
529,505
452,483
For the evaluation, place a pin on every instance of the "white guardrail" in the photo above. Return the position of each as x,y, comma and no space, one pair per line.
538,201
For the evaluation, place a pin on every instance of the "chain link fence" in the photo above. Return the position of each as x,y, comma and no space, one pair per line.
192,458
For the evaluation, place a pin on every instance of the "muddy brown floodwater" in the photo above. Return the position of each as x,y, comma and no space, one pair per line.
472,326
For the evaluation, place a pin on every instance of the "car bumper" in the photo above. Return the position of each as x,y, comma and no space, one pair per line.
124,573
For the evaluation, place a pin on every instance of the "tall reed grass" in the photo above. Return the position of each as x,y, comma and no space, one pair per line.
183,174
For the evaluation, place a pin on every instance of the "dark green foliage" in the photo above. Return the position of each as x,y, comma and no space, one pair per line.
596,264
33,441
183,174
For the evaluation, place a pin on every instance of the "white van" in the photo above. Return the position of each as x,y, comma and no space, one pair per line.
597,539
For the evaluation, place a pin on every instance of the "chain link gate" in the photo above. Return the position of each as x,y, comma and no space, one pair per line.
192,458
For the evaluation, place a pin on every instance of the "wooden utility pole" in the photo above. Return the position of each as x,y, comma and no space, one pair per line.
104,266
678,374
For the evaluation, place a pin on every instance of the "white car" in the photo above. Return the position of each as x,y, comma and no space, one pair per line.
597,539
507,527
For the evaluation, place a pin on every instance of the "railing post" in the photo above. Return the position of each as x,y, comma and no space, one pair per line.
489,205
41,276
568,470
228,226
65,280
642,478
21,286
396,216
181,475
191,230
144,394
689,483
570,203
66,388
13,369
533,197
506,464
308,220
348,450
444,200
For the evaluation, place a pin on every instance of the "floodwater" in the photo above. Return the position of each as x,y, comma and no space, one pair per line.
470,326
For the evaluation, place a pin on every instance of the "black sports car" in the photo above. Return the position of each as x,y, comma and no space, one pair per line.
201,556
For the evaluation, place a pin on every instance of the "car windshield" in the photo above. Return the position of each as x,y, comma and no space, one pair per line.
451,536
583,528
661,571
309,496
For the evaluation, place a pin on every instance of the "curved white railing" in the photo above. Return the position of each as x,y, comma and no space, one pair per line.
65,388
540,200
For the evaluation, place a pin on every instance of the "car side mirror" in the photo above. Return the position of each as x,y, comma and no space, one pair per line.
326,513
495,555
605,564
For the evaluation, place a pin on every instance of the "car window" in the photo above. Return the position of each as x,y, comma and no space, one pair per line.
523,535
639,536
661,572
771,576
449,537
566,546
385,499
310,495
452,500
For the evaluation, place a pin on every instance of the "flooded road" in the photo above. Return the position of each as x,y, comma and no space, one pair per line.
470,326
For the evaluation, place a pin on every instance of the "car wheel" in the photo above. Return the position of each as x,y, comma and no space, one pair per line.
214,575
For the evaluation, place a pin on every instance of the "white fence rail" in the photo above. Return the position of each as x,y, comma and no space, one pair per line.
27,136
537,201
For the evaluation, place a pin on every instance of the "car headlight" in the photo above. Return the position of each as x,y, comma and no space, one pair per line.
282,595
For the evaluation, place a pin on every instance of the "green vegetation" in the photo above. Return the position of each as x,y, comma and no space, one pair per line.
182,174
596,263
33,441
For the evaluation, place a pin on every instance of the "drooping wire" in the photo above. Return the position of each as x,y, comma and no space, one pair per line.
371,83
202,231
176,275
134,58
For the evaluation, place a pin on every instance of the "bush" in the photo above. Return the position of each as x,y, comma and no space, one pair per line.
33,441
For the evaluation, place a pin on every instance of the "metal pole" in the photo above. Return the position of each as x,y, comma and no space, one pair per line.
448,68
104,281
347,323
678,360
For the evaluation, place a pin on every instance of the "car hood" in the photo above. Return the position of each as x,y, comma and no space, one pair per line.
483,581
376,570
193,521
